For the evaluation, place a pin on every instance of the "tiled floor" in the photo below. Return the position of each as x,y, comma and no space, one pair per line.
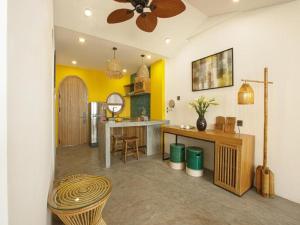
148,192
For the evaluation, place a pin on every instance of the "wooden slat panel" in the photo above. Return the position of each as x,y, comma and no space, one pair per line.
226,166
231,165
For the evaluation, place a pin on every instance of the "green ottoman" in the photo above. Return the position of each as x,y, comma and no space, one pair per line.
194,161
177,156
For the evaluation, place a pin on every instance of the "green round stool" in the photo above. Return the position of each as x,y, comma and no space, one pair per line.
177,156
194,161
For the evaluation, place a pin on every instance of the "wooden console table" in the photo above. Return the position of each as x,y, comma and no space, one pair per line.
234,156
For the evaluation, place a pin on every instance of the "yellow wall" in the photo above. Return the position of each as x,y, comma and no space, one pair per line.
98,84
158,90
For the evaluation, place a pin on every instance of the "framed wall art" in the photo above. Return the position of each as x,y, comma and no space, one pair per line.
214,71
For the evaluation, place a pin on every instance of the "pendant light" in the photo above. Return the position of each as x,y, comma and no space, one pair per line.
114,69
143,70
246,95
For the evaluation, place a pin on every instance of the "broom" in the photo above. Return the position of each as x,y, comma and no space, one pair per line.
264,176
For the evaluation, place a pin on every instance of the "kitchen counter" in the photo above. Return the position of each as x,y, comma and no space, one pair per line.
153,136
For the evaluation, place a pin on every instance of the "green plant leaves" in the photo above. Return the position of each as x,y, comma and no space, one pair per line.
202,104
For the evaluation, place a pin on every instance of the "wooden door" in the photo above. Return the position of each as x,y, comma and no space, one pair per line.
72,112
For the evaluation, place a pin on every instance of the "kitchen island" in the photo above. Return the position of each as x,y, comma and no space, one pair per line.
153,136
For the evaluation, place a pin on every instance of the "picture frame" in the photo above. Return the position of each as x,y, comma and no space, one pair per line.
214,71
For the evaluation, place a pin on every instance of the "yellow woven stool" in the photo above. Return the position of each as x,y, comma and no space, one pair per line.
80,199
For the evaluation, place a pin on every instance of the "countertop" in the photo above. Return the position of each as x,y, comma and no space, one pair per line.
133,123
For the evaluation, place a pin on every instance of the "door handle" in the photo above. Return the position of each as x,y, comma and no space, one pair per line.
83,117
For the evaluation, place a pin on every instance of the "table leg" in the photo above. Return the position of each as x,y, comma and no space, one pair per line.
163,145
107,147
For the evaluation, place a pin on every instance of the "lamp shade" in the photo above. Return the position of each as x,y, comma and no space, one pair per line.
114,69
246,95
143,71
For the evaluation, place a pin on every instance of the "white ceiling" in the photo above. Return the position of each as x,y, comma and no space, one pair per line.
95,52
69,14
219,7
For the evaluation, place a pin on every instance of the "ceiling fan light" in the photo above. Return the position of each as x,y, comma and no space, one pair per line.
148,10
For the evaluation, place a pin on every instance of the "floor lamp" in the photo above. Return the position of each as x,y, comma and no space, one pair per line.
264,176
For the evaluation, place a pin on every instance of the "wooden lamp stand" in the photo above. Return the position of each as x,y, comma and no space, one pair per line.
264,176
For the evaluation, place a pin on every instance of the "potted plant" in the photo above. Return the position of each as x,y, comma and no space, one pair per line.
201,105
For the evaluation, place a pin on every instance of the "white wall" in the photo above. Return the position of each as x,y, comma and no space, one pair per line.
30,110
266,37
3,115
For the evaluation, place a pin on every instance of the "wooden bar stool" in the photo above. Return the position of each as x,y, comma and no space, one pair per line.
117,143
130,147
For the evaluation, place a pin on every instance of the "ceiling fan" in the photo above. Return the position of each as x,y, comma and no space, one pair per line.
148,10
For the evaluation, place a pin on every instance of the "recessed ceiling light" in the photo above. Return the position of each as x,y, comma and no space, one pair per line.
74,62
235,1
168,40
149,56
88,12
81,40
124,70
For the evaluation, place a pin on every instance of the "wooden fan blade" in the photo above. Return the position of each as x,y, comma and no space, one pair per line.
167,8
147,21
120,15
125,1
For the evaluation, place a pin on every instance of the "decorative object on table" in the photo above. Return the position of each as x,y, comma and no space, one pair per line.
115,103
171,106
147,20
230,125
194,161
118,119
215,71
80,199
187,127
114,69
264,176
220,123
143,115
201,105
177,156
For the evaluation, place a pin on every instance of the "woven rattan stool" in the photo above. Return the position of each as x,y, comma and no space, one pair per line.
80,199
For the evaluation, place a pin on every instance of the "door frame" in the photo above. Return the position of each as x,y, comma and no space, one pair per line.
57,110
3,114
